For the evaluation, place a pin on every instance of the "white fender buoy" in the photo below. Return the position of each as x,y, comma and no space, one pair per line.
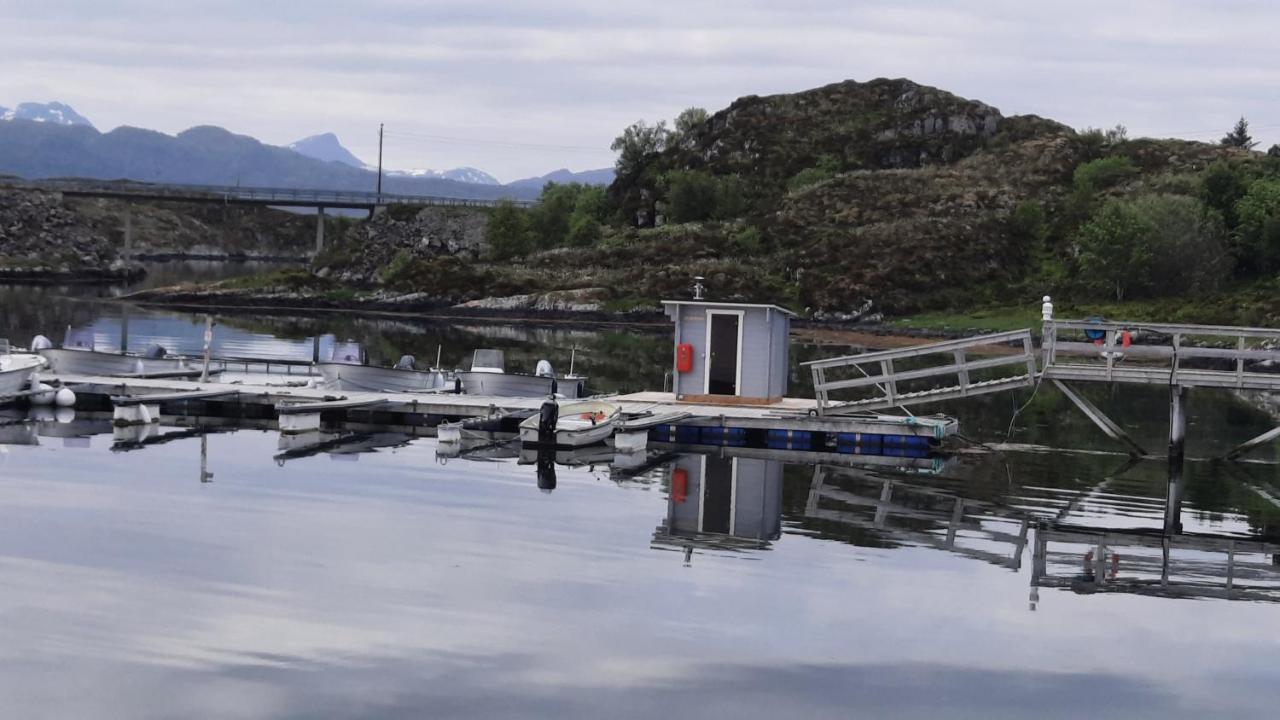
143,413
138,368
44,394
64,398
40,342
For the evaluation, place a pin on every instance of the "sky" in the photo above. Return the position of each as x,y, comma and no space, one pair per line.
521,88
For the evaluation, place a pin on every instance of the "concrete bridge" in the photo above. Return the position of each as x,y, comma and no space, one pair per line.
319,199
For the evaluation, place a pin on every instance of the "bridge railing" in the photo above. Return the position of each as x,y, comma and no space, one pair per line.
264,195
1217,355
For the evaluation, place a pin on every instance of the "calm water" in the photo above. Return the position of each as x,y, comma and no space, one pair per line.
365,576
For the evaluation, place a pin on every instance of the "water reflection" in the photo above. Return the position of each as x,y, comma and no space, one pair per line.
313,580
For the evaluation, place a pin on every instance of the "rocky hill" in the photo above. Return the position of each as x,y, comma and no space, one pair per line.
847,200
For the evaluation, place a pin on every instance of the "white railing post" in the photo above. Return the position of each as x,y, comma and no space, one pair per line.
1047,331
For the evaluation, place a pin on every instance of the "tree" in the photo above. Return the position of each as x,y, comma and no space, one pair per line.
692,195
589,211
1258,234
1239,136
549,217
508,231
685,123
1187,244
1274,151
637,143
1221,187
1115,251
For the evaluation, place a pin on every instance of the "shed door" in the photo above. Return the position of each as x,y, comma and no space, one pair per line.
722,350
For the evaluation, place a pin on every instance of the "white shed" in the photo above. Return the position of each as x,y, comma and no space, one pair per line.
730,353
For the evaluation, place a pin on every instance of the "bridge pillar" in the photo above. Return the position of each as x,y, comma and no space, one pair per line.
319,229
1177,421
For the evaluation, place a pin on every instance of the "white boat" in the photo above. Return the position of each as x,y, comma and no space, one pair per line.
488,377
576,424
16,370
346,371
77,356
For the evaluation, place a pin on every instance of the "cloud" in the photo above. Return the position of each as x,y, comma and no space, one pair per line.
570,72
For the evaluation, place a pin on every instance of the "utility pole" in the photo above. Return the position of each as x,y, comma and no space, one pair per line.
379,162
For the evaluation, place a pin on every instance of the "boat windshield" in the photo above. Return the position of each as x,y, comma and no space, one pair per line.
491,360
78,339
347,353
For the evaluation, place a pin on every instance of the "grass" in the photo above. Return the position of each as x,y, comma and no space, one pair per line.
992,319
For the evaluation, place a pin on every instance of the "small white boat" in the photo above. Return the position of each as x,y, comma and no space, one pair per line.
346,370
77,356
488,376
576,424
16,370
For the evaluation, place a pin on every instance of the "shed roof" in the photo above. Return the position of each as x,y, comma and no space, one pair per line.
711,304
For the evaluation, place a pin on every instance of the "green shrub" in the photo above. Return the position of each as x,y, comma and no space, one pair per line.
1152,246
1221,187
508,233
1257,247
584,231
1100,174
749,241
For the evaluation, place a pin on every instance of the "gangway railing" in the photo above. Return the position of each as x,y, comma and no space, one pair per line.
1014,349
1157,353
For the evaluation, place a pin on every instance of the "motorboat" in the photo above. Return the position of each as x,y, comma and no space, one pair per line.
78,356
16,370
488,376
572,424
348,369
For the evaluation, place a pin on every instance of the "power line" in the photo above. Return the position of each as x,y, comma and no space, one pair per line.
492,143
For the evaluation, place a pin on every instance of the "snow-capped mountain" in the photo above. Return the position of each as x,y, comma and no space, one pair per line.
461,174
55,113
325,146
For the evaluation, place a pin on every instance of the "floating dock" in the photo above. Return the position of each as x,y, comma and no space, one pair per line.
790,424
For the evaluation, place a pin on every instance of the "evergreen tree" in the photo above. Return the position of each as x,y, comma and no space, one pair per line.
1239,136
1274,151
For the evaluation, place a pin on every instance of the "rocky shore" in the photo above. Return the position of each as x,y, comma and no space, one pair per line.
46,237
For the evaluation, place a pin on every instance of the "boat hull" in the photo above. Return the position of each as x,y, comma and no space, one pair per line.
92,362
494,384
367,378
571,429
16,372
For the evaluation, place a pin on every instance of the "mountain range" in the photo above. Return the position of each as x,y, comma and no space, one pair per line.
44,140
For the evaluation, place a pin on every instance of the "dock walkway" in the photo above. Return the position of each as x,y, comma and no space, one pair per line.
788,415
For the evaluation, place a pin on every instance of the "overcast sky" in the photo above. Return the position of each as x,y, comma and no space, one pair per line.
521,88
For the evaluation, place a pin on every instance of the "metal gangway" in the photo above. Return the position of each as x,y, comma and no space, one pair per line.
1179,356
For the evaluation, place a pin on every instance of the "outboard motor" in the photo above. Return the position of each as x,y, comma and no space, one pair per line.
407,362
155,351
546,471
548,416
40,342
544,369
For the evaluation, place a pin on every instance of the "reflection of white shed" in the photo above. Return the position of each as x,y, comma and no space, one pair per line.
725,496
732,353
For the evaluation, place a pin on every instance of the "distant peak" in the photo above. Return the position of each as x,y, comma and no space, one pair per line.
326,147
55,113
